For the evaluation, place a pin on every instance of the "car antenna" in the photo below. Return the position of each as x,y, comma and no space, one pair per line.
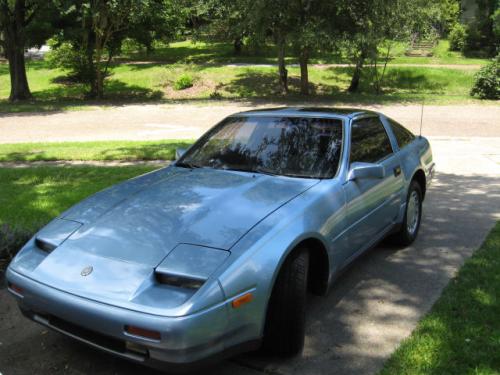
421,118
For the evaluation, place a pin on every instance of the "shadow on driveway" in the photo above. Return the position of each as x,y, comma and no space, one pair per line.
371,308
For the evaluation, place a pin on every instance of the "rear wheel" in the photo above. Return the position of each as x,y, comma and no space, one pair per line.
285,321
413,215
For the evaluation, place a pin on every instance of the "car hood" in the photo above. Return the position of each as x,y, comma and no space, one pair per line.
143,221
171,220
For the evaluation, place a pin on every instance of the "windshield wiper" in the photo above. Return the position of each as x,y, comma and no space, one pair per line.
185,164
249,170
264,171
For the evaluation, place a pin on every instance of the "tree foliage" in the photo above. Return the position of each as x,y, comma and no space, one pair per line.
374,25
88,34
95,29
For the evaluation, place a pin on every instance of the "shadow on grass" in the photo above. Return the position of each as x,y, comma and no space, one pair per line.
201,53
397,81
33,196
66,96
402,85
255,84
414,81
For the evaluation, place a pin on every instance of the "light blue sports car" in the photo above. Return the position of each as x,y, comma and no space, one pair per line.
214,254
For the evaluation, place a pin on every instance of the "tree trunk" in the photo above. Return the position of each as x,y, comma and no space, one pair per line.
19,88
237,44
283,72
98,69
14,51
91,77
356,77
304,73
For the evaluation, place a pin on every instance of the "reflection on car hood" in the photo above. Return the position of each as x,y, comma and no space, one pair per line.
143,219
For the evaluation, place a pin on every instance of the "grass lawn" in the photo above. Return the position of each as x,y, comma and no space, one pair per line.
441,56
130,83
186,52
104,150
33,196
141,78
461,334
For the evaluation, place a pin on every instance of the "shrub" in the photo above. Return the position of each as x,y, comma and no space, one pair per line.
11,241
66,56
215,95
457,37
183,82
487,81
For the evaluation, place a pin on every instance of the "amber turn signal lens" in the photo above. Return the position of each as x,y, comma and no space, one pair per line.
15,288
240,301
141,332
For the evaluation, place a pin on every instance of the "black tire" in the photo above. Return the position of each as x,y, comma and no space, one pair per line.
286,313
405,236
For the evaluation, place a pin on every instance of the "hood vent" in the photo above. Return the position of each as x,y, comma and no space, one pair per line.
44,245
189,266
180,281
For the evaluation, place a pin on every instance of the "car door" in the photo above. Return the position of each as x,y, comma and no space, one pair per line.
372,203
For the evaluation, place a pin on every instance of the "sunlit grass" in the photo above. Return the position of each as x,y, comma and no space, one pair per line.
140,78
461,334
32,196
98,150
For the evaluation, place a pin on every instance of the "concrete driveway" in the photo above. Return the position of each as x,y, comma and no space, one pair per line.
371,308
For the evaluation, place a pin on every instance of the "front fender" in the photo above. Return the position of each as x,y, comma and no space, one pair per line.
317,214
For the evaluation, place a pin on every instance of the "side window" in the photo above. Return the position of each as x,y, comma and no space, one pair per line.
369,141
403,135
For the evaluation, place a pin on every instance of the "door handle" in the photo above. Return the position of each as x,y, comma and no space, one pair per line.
397,171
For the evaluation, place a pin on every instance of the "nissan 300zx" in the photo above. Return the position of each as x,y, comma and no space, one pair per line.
215,254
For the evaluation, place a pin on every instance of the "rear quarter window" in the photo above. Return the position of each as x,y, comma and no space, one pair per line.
403,135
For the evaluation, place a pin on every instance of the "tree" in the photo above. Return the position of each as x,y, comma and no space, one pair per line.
95,29
448,15
481,35
378,23
15,17
311,32
13,22
20,28
219,20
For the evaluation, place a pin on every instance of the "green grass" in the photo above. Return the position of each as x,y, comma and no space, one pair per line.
137,83
441,56
33,196
99,150
461,334
188,52
154,79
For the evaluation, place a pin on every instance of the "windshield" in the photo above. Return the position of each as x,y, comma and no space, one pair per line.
288,146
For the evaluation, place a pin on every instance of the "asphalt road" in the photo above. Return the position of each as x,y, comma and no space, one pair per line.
371,308
151,122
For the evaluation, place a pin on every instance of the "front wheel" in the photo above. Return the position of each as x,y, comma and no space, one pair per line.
285,321
413,216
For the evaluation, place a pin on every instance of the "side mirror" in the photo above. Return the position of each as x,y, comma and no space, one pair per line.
365,170
179,152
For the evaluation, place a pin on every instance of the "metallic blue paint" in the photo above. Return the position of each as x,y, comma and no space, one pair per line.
232,230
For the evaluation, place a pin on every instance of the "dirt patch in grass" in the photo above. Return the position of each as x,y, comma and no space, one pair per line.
199,89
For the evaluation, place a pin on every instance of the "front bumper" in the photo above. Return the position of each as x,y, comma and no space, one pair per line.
186,341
